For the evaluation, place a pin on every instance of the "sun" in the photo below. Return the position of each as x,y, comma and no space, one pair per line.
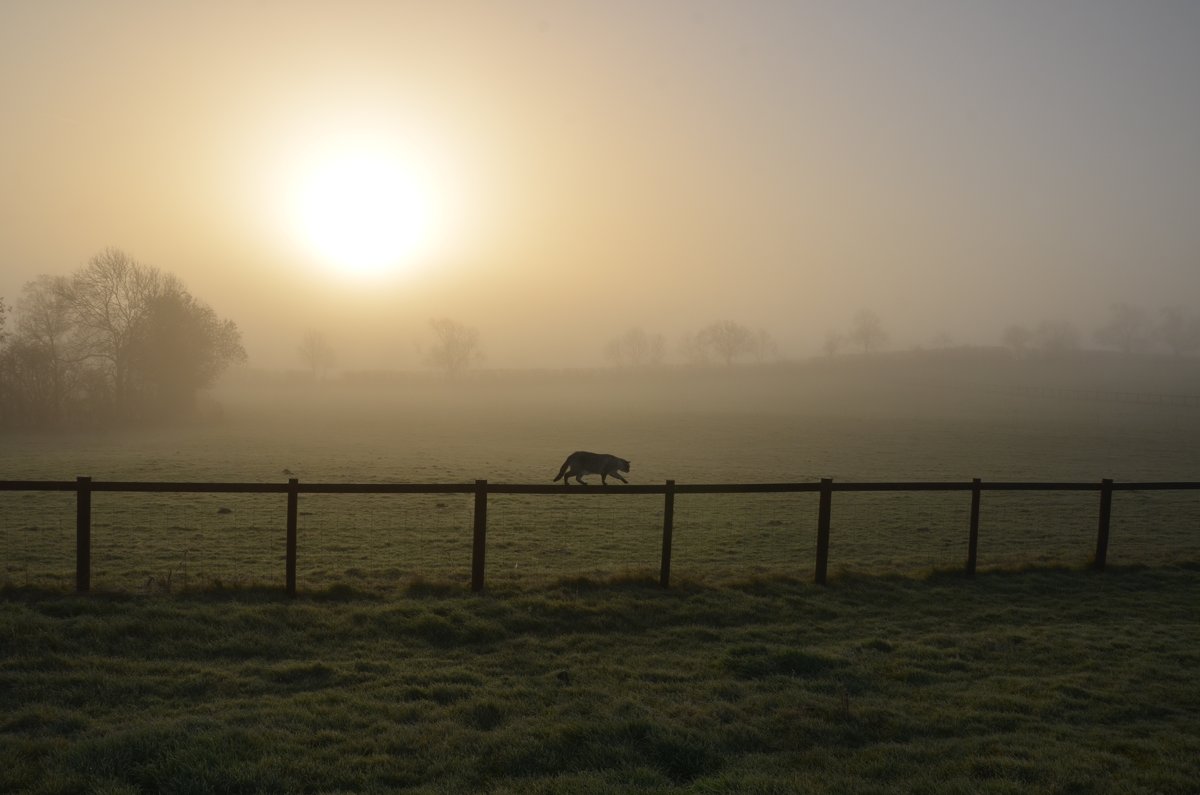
362,211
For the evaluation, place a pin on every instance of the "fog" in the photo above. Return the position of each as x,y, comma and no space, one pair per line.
576,170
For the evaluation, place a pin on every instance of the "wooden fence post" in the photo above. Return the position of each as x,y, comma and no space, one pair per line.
479,541
973,539
83,534
823,513
293,499
1106,492
664,577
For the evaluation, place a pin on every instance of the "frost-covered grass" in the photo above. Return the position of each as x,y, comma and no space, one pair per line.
1034,681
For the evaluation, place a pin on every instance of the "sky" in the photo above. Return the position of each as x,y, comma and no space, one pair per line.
554,173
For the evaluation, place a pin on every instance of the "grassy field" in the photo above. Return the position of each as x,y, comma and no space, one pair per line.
187,670
1033,681
769,424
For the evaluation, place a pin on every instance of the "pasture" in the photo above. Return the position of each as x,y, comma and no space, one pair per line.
187,670
1038,681
771,425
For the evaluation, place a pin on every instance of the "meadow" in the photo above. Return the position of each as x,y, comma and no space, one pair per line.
1034,681
938,421
188,670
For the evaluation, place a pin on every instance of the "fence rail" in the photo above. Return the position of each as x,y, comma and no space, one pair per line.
85,487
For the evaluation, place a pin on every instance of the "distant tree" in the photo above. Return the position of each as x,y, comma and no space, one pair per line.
4,366
24,386
1017,339
316,353
45,311
763,347
636,348
456,346
1056,337
727,340
181,347
833,343
1178,330
116,340
1128,329
110,300
48,352
867,331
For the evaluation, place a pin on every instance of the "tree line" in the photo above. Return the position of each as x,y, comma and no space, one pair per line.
728,341
1128,329
117,342
456,346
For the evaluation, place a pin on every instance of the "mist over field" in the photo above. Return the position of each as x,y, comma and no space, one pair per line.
726,244
876,325
912,416
554,176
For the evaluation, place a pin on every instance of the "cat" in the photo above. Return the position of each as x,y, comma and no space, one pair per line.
582,463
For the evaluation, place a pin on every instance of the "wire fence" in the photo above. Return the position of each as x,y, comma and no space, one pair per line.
932,524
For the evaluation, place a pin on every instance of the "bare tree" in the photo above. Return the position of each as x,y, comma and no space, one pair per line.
456,346
316,353
116,340
1179,330
5,375
727,340
1128,329
636,348
867,331
50,351
833,343
763,347
110,299
40,367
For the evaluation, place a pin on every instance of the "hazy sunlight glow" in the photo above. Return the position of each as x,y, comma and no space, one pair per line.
362,213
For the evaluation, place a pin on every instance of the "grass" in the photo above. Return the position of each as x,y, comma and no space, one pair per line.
188,671
756,425
164,543
1047,680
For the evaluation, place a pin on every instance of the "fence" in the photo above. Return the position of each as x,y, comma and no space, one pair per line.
85,487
